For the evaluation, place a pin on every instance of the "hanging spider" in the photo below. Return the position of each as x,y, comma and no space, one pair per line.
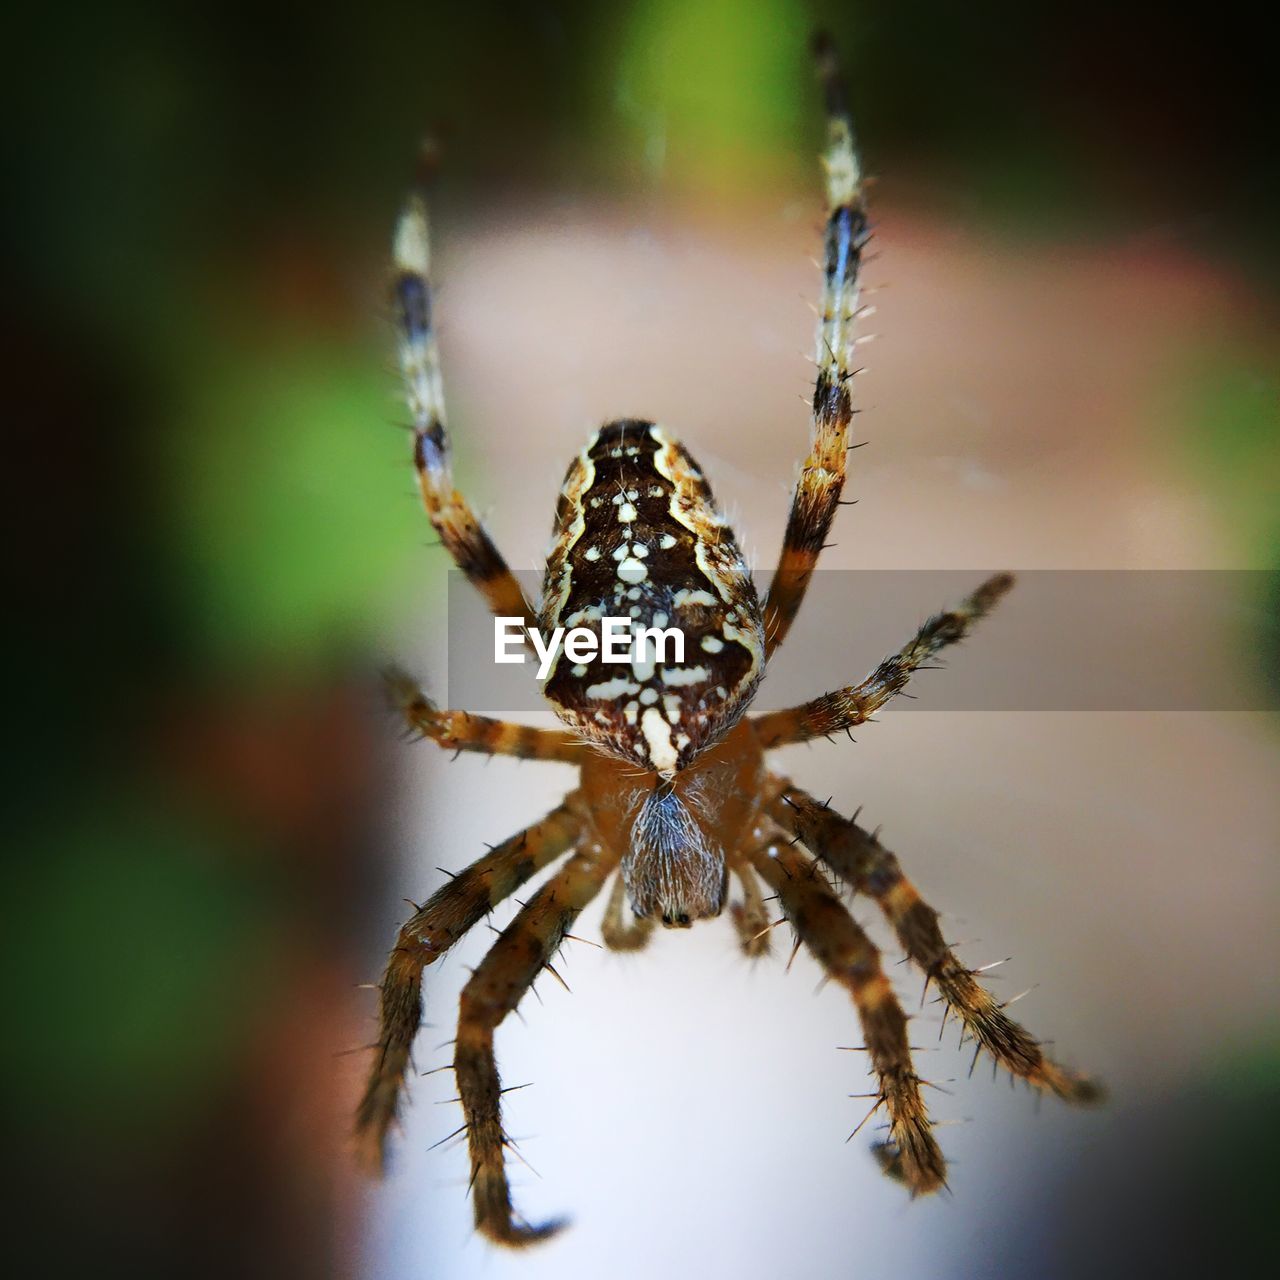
674,792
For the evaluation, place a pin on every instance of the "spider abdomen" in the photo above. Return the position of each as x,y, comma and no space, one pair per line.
638,537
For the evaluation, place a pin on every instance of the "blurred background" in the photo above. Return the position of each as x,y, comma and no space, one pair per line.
212,822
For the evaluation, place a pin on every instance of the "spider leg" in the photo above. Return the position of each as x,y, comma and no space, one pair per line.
818,490
450,514
857,703
423,939
850,958
750,916
620,934
461,731
495,989
862,862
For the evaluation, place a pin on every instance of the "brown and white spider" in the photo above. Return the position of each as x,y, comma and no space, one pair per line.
674,792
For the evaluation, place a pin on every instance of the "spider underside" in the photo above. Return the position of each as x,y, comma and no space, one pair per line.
674,794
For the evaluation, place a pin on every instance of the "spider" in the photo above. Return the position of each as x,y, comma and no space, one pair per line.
674,794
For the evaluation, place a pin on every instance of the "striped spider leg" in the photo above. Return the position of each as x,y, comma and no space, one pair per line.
450,514
855,704
673,796
502,978
462,731
821,481
848,956
859,860
430,932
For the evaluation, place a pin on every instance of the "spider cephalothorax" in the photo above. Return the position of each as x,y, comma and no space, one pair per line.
674,795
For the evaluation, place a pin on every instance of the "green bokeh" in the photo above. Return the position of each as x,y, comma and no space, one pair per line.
140,987
1228,409
709,93
293,504
1226,406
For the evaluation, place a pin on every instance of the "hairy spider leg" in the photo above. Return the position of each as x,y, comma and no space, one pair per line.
499,983
750,916
862,862
462,731
851,959
424,938
821,482
857,703
617,931
451,515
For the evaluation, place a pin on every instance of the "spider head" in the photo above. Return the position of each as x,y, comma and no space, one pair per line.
674,832
673,869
